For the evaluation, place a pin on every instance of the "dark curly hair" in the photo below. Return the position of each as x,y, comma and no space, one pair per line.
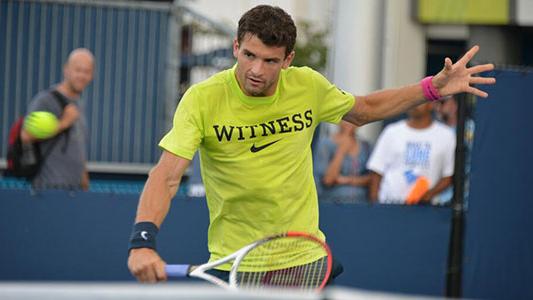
272,25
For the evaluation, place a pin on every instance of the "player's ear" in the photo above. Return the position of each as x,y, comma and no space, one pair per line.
236,47
288,60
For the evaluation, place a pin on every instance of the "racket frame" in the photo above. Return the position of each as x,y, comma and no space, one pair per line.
200,271
237,257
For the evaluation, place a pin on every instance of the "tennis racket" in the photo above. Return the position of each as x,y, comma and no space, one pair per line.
295,260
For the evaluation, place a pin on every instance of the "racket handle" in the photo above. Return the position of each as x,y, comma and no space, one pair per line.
177,270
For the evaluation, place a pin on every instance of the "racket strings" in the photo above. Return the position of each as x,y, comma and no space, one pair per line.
284,262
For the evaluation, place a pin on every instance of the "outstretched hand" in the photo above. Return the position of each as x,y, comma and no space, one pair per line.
458,78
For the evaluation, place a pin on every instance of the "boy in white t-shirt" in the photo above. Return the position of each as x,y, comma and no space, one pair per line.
413,160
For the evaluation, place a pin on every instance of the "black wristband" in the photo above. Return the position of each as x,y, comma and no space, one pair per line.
143,235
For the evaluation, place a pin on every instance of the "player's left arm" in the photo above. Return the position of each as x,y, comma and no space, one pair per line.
452,79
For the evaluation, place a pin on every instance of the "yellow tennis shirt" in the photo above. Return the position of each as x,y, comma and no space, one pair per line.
255,153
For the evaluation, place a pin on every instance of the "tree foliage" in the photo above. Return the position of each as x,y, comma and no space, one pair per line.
310,48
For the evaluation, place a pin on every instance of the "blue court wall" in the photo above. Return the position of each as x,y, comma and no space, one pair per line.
498,255
58,236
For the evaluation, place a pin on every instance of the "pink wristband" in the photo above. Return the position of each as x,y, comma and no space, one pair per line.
430,92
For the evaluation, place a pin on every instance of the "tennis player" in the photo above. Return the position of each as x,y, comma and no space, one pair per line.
253,125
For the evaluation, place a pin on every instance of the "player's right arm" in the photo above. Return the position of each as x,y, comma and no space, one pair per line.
162,184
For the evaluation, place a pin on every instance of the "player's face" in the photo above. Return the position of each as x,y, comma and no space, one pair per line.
79,73
259,65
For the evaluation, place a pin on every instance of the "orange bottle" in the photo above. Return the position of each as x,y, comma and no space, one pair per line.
418,189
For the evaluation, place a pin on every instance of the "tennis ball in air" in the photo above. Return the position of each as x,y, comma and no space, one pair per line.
41,124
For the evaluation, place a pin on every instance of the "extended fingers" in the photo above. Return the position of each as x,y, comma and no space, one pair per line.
482,80
448,63
477,92
468,55
481,68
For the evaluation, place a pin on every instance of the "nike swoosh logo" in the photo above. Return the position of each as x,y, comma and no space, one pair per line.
255,149
144,235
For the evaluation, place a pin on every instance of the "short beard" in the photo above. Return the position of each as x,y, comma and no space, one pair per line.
261,93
